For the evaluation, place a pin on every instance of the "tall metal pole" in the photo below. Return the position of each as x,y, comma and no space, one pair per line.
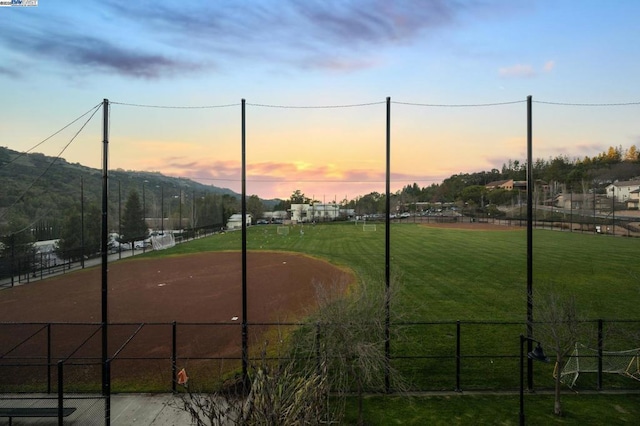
613,208
245,336
144,216
162,209
571,210
119,220
521,417
530,184
387,254
82,222
104,248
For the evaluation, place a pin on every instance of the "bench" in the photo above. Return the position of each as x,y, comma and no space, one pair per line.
34,412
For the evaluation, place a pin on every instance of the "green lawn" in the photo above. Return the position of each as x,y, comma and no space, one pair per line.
450,274
496,410
479,278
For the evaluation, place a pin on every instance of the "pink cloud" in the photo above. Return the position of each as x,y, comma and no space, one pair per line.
279,180
518,70
549,66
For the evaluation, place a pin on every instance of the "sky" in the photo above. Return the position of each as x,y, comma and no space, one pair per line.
315,76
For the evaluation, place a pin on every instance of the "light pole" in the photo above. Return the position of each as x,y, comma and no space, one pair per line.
82,222
536,354
144,216
162,210
613,209
180,211
119,221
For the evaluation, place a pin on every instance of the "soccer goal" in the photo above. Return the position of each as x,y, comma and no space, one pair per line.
283,230
585,360
369,227
161,242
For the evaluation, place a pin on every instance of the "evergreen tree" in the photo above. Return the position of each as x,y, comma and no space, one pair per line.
255,207
70,245
134,227
17,252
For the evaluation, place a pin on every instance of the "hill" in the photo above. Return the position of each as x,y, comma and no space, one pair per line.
36,190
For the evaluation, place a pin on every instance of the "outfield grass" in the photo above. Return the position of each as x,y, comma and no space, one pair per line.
449,274
496,410
479,278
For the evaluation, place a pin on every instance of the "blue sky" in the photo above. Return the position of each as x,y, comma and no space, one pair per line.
61,58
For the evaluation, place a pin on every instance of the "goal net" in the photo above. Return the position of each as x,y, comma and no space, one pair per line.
283,230
161,242
585,360
371,227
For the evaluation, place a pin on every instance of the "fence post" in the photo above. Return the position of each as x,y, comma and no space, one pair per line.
458,389
60,393
319,366
107,395
174,351
49,358
600,344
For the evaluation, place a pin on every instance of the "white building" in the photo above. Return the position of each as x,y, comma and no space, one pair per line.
622,190
235,221
277,215
318,212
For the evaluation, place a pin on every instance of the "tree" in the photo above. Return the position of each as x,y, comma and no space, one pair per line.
474,194
17,252
134,227
70,244
558,327
298,197
255,207
501,196
230,206
350,331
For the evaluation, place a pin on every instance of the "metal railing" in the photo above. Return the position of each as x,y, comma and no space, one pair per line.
460,355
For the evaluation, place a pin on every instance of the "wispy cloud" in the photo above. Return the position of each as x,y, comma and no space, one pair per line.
525,70
280,179
8,72
100,54
518,70
146,40
549,66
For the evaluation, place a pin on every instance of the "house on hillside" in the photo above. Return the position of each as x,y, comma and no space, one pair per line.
500,184
622,190
235,221
582,202
510,185
567,200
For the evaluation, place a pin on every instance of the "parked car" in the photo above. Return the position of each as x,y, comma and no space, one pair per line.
142,244
115,246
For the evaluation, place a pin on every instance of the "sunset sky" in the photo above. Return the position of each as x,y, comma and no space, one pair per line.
315,75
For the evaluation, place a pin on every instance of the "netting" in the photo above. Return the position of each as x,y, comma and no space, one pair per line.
161,242
369,227
585,360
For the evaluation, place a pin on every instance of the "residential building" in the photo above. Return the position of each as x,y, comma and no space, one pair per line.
622,190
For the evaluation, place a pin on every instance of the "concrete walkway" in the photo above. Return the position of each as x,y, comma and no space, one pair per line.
126,409
148,409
